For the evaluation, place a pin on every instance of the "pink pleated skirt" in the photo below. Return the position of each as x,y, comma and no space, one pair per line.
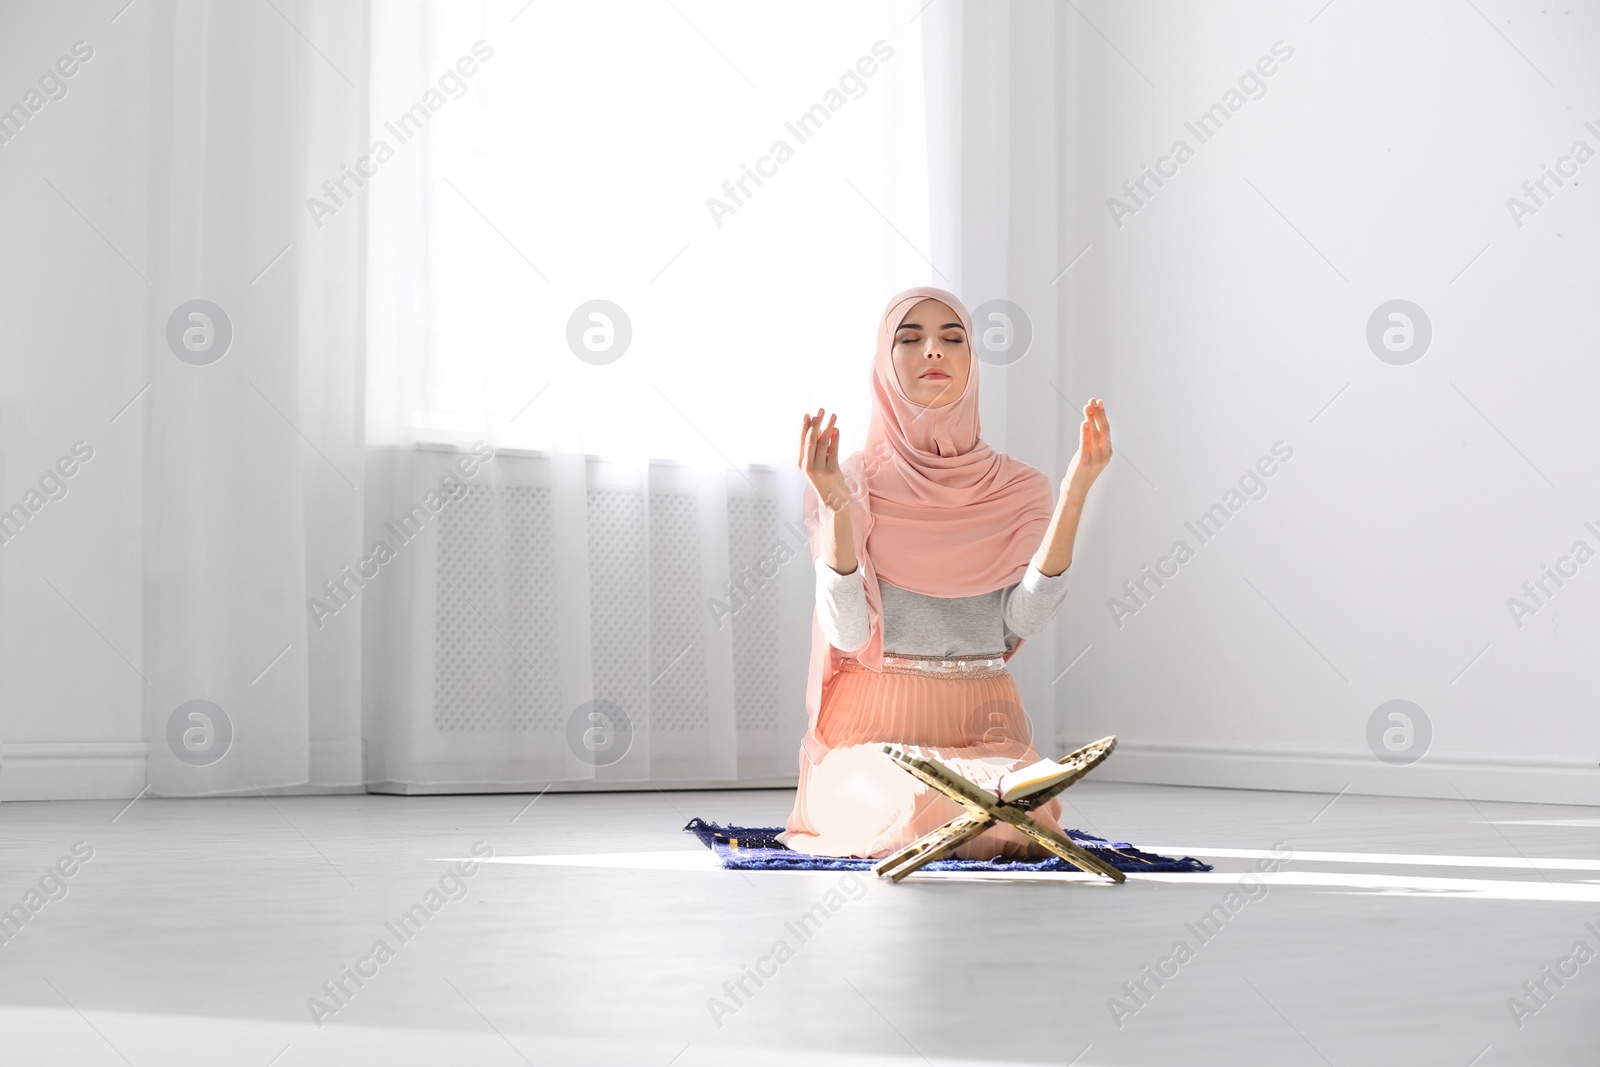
858,802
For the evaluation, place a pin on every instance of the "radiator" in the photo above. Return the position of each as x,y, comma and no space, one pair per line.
545,588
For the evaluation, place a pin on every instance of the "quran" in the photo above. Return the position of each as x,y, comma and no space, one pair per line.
1026,781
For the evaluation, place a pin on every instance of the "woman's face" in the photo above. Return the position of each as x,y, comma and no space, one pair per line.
932,357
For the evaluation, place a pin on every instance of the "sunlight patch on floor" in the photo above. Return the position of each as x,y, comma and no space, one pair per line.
1531,889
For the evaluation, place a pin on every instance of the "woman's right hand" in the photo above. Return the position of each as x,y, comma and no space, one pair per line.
819,460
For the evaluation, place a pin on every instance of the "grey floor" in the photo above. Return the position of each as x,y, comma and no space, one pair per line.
199,930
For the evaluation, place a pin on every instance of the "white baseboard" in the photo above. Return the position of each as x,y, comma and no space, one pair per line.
1436,775
72,770
110,770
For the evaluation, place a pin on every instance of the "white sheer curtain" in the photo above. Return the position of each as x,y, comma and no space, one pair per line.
414,530
623,592
252,455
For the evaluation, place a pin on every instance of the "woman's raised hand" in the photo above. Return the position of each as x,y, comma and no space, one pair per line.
819,460
1094,451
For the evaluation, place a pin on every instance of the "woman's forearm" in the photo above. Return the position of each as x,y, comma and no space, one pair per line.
838,543
1055,553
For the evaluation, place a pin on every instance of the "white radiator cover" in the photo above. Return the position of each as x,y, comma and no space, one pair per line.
682,596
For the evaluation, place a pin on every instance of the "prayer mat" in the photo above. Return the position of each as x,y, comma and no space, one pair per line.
756,848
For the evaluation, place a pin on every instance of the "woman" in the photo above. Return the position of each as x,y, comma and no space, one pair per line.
925,589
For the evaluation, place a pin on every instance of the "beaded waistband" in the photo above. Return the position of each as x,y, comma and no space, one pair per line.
980,666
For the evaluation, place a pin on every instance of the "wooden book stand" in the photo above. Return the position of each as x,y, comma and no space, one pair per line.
984,809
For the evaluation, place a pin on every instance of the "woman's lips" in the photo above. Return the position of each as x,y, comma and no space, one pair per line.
937,375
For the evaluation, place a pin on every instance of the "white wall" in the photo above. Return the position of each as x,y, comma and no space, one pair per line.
1229,312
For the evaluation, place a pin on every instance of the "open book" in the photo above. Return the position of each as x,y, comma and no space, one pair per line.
1030,779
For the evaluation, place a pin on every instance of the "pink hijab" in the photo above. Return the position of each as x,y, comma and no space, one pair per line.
933,508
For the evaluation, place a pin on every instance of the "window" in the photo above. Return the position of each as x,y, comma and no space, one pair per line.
749,213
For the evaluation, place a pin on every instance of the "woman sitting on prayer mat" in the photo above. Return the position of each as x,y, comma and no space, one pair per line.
936,555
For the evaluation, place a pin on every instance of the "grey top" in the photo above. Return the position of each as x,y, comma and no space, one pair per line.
915,624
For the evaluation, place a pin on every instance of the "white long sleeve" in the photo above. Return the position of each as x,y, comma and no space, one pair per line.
842,609
1032,603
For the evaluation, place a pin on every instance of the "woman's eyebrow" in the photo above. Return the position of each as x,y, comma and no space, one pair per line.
918,326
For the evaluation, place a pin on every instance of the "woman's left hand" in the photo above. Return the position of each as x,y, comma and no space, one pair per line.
1094,451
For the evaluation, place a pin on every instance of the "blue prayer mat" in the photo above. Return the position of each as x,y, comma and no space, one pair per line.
756,848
